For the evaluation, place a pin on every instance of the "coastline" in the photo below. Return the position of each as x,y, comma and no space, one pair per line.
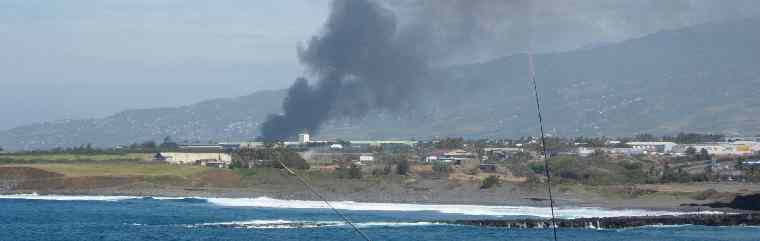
469,196
510,212
180,181
514,212
723,220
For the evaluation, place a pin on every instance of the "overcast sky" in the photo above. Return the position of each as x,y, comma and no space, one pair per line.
92,58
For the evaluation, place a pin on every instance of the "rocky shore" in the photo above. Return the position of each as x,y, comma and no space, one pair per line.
622,222
387,189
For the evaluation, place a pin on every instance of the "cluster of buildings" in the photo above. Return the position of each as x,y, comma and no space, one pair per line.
209,159
315,151
324,152
456,157
727,148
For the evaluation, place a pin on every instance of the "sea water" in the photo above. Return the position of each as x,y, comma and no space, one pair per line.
38,217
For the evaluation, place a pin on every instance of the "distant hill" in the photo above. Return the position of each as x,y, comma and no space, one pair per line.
704,78
233,118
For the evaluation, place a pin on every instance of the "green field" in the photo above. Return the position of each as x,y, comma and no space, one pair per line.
65,158
78,165
117,169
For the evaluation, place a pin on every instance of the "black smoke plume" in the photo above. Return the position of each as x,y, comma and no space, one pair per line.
361,62
375,54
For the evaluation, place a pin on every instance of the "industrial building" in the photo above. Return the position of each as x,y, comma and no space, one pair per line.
653,146
213,159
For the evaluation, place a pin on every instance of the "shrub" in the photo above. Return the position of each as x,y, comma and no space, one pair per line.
533,179
403,167
490,181
441,168
351,172
573,174
631,191
355,172
678,175
537,167
521,157
382,172
293,160
707,194
236,165
519,169
637,177
631,165
286,156
563,162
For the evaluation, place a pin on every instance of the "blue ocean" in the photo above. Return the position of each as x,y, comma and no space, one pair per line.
142,218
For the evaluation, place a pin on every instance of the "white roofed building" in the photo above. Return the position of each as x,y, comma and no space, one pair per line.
187,158
653,146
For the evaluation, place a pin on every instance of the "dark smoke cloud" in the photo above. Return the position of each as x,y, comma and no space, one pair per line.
478,30
361,61
376,54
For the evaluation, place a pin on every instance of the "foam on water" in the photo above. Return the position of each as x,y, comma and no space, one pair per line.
392,224
144,219
266,224
459,209
280,224
35,196
476,210
666,226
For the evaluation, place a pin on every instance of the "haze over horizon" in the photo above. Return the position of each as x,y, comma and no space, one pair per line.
85,59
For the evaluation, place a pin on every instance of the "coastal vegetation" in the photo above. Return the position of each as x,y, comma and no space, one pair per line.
498,167
268,157
117,169
64,157
490,181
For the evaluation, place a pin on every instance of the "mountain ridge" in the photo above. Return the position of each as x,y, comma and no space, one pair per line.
699,78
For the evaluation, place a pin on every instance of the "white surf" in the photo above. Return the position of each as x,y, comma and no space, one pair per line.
459,209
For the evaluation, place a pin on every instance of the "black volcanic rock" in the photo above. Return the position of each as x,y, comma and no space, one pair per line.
742,202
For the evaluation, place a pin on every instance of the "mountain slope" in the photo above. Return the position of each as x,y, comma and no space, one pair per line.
704,78
234,118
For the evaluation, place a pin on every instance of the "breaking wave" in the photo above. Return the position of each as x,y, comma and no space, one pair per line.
281,224
179,199
458,209
461,209
35,196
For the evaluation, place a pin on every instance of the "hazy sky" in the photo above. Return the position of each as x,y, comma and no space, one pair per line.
91,58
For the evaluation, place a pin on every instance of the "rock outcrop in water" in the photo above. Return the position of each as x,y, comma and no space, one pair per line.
623,222
742,202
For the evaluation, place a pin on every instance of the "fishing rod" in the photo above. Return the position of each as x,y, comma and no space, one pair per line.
290,171
532,76
543,144
16,181
323,199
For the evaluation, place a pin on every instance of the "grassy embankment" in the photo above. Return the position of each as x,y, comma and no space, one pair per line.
85,170
31,158
115,169
83,165
130,174
70,171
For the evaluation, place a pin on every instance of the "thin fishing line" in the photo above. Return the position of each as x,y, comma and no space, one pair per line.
300,179
314,191
543,145
547,172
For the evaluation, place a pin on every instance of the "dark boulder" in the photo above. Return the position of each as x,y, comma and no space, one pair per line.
743,202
